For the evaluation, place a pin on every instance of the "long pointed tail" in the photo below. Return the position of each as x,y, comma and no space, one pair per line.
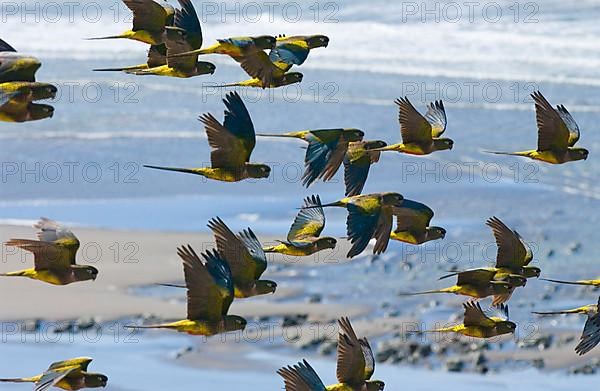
196,52
507,153
186,170
140,72
173,285
109,37
386,148
587,283
450,329
153,326
288,135
452,274
336,203
19,273
424,293
238,84
18,380
574,311
131,68
441,330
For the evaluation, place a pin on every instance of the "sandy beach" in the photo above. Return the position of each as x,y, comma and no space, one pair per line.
292,323
134,259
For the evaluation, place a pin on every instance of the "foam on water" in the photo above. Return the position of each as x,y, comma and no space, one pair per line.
391,39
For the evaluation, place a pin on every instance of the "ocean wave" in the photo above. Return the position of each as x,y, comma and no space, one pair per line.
108,135
554,51
199,134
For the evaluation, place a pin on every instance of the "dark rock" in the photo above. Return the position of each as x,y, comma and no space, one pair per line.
565,340
575,248
385,355
546,296
480,359
538,363
183,351
584,370
327,348
294,320
64,327
542,342
423,351
482,369
85,323
455,365
312,343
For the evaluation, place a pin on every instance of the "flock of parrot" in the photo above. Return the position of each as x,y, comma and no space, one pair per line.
175,39
19,90
214,278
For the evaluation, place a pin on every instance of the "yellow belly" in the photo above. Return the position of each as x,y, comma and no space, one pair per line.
48,276
239,294
228,49
404,236
250,83
545,156
258,84
287,249
223,174
502,273
4,117
70,384
164,70
40,275
473,291
475,331
194,327
339,387
413,149
408,148
144,36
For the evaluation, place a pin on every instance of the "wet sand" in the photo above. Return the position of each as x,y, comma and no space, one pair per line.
125,290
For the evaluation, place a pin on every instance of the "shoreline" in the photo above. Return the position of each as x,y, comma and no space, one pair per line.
127,281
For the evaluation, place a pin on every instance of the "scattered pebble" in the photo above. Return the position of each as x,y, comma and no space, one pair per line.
294,320
30,326
454,365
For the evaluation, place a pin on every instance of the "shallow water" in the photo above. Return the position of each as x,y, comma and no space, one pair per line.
84,166
136,367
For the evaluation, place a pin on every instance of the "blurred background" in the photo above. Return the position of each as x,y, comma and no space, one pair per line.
483,59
